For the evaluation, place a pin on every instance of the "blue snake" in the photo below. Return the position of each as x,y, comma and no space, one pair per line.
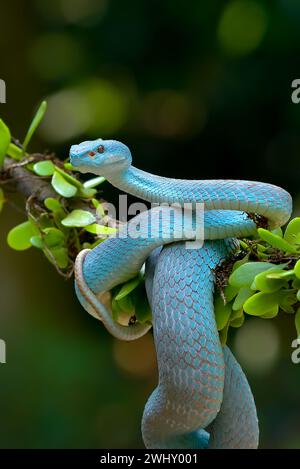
203,399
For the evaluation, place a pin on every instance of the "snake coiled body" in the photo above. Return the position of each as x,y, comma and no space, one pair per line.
203,398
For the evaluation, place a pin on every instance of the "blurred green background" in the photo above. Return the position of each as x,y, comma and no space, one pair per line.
197,90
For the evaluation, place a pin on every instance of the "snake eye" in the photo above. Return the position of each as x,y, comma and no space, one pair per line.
100,149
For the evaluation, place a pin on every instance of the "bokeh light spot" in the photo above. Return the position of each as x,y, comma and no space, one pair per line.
50,9
55,56
108,106
242,27
136,357
67,116
78,11
96,107
257,345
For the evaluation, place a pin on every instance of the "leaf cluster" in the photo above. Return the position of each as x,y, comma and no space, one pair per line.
57,227
54,225
264,282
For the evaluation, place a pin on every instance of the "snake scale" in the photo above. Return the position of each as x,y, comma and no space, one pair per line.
203,399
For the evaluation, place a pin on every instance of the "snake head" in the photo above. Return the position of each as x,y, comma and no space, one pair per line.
102,157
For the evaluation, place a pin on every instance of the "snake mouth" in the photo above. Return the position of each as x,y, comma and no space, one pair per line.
75,155
81,162
80,157
74,161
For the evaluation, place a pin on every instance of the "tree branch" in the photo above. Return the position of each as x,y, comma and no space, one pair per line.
24,181
19,178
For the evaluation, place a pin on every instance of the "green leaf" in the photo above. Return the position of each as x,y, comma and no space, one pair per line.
116,310
244,246
35,123
266,304
297,322
15,152
45,221
262,256
19,237
44,168
2,199
238,264
126,305
244,275
30,166
87,193
128,287
261,247
238,322
141,305
78,218
69,167
69,178
61,256
95,202
236,314
94,182
99,208
276,241
58,216
53,237
4,141
261,303
100,229
267,284
52,204
292,232
242,296
61,186
261,251
143,311
298,295
277,232
272,313
296,283
297,269
223,335
280,274
230,292
286,300
222,313
37,241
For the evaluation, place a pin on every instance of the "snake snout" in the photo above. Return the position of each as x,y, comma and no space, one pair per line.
73,151
76,153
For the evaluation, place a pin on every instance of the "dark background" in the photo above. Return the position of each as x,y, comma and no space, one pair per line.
197,90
